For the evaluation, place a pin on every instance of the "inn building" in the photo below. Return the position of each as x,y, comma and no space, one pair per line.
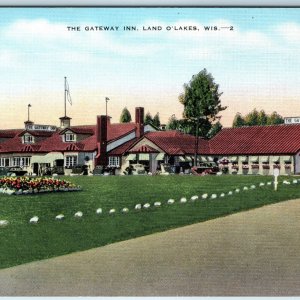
247,150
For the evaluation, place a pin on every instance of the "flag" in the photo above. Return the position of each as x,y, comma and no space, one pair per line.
106,99
68,92
29,105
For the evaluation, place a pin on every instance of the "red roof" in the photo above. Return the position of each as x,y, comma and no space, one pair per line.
275,139
53,139
177,143
143,149
123,148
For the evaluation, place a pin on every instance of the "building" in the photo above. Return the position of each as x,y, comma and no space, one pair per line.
259,149
246,150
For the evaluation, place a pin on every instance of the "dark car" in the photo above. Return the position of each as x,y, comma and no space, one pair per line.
18,171
208,168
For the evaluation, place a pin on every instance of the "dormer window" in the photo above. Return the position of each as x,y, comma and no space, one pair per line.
70,137
28,139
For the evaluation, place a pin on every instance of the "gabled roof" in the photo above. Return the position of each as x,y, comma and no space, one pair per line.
274,139
38,133
9,133
143,149
177,143
123,148
87,129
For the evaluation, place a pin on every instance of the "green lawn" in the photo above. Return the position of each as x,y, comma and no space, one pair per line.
22,242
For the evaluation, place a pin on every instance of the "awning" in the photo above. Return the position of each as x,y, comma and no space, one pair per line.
243,158
233,159
203,158
264,159
181,158
275,159
46,159
287,158
210,158
131,157
160,156
188,158
254,159
143,156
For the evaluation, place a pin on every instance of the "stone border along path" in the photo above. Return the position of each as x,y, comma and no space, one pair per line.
251,253
125,210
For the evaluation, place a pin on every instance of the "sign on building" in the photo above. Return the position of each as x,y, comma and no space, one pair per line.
292,120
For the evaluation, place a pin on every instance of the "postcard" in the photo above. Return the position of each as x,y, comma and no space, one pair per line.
149,151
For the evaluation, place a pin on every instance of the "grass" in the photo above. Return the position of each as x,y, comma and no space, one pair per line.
22,242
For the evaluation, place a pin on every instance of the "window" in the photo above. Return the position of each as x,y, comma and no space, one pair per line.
71,161
114,161
70,137
4,162
21,161
28,139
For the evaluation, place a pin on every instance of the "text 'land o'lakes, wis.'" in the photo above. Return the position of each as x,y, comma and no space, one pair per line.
178,28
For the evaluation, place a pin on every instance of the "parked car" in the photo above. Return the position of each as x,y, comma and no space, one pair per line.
208,168
17,171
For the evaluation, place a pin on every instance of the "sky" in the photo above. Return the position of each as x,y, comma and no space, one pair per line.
256,64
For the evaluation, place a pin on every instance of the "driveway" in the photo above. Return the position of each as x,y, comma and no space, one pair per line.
254,253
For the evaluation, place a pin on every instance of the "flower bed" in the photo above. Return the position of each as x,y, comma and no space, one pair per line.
28,185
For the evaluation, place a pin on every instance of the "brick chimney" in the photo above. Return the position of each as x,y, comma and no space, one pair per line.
101,136
139,121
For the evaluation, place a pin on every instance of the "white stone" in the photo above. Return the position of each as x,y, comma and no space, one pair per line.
222,195
252,186
171,201
230,193
59,217
295,181
183,200
213,196
54,175
237,190
3,223
112,211
269,183
34,220
138,206
261,184
204,196
193,198
78,214
125,210
286,182
245,188
219,173
146,205
157,204
99,211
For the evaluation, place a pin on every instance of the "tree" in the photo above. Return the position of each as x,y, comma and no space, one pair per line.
251,119
275,118
173,123
215,129
125,116
156,120
201,100
148,118
238,121
262,118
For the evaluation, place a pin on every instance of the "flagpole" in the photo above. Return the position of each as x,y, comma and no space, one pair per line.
65,96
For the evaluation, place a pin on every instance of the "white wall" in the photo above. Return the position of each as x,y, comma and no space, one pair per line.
120,141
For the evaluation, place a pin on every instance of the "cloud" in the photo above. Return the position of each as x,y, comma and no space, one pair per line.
290,32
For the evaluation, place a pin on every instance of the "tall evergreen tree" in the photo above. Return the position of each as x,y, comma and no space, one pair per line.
251,119
262,118
125,116
156,120
148,118
238,121
275,118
